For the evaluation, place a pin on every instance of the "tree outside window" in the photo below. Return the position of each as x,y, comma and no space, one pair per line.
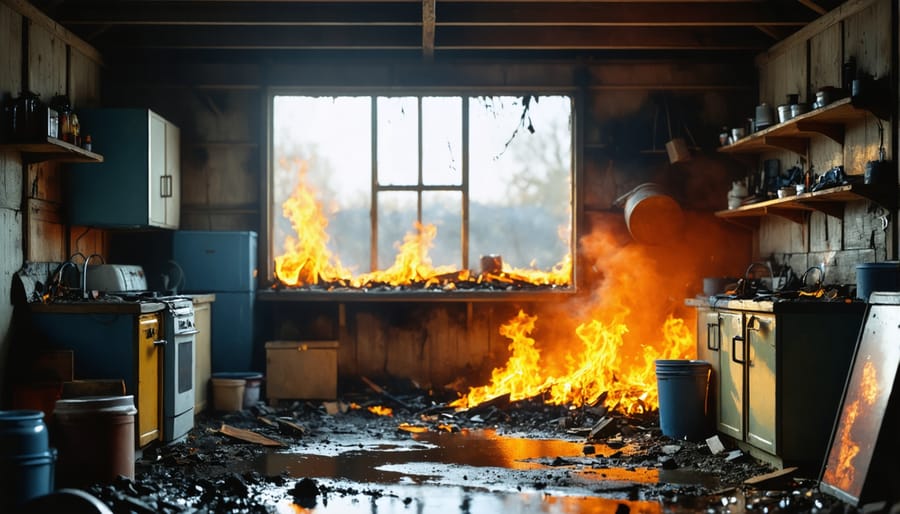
482,175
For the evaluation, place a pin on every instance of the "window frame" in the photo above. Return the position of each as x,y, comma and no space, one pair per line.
268,210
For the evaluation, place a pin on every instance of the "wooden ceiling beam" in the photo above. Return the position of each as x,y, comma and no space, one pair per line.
451,38
253,38
469,13
199,12
640,14
428,20
814,6
610,38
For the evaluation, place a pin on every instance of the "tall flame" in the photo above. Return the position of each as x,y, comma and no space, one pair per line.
841,469
306,258
412,263
597,370
308,261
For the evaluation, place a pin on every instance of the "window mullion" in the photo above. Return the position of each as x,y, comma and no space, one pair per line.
373,205
421,160
464,230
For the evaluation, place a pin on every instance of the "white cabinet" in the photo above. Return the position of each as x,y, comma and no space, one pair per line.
762,368
780,372
139,183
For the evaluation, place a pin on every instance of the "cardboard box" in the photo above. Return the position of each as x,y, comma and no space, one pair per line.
301,370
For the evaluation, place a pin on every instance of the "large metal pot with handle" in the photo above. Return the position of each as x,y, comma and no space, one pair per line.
652,216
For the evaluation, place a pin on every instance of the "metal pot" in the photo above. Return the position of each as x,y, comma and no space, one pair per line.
784,113
717,285
652,216
763,116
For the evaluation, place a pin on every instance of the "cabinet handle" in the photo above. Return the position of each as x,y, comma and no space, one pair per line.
709,336
160,342
754,323
165,186
734,341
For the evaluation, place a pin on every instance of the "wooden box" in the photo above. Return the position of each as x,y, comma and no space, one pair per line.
301,370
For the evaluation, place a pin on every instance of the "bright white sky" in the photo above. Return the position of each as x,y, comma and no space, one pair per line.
341,133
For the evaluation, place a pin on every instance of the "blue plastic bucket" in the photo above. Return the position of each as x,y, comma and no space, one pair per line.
877,276
683,386
26,461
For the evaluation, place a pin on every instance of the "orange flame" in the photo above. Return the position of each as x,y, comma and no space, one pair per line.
412,264
413,429
597,370
308,261
306,258
841,470
380,410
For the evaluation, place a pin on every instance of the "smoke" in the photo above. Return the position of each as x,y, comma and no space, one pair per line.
641,285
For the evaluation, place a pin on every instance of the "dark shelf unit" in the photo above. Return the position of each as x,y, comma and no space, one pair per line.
52,149
795,133
797,208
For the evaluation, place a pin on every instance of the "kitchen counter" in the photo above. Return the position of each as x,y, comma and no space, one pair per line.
200,297
97,307
770,305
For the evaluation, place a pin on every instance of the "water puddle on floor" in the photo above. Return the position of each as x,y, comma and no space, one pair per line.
470,471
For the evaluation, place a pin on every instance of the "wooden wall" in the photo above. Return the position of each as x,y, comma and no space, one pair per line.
220,109
811,60
39,56
10,181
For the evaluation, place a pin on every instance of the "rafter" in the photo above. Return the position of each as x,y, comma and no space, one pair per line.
464,13
818,9
428,20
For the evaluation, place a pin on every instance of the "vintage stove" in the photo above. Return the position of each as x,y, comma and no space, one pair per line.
128,283
179,356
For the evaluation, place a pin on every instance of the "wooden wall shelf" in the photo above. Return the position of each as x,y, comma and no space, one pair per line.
797,208
794,134
52,149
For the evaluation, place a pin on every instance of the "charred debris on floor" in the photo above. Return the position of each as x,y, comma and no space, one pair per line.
212,471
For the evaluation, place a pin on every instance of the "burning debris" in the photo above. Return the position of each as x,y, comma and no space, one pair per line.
595,374
307,263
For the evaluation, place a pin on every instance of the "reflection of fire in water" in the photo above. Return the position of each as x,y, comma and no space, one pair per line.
841,471
307,261
607,365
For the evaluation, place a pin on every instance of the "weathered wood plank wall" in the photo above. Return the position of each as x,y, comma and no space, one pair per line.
39,56
805,65
11,182
221,112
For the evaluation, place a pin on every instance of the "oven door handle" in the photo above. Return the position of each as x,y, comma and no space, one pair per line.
188,332
160,342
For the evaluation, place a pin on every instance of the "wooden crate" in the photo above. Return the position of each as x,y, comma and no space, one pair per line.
301,370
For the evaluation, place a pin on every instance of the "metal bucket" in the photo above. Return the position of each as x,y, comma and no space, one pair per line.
652,216
95,437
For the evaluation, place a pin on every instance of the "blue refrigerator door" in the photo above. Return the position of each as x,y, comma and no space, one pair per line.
216,261
232,332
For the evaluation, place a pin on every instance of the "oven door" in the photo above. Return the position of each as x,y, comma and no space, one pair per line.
184,371
178,388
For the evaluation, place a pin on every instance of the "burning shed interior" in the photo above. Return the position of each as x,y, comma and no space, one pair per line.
365,256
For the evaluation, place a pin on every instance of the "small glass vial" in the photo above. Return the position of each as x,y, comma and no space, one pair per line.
87,142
